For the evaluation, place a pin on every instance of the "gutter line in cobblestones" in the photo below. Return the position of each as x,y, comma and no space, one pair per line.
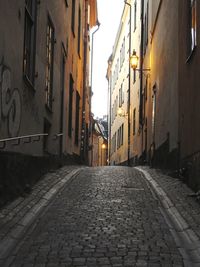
186,239
13,237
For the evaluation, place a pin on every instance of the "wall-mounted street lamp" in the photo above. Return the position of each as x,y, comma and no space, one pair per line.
103,146
121,112
134,59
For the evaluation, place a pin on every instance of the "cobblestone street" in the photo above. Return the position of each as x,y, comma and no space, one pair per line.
103,217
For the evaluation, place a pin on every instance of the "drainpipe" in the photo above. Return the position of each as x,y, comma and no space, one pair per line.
92,50
109,108
85,64
91,82
141,76
129,82
109,124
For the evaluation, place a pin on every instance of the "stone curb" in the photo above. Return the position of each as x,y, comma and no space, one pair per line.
186,239
9,242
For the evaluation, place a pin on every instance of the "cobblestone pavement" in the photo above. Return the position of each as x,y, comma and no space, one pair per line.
18,215
181,212
103,217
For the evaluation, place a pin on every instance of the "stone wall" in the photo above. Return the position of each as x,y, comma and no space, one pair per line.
19,172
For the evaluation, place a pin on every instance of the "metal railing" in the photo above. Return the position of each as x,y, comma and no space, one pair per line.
27,139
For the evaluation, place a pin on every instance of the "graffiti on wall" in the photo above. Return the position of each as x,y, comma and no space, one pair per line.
10,103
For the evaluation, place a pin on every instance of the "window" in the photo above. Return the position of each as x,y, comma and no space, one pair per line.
134,76
120,136
120,96
73,16
135,15
146,28
117,67
192,38
128,34
49,63
29,40
116,72
141,108
154,111
113,143
79,31
77,117
123,92
147,23
134,121
112,115
116,106
62,72
66,3
122,53
117,138
70,105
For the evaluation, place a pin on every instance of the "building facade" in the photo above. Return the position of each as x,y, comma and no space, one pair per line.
44,55
160,87
160,118
123,87
189,97
152,105
44,78
99,150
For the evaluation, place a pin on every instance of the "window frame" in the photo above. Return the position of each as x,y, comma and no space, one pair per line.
77,121
135,15
49,63
79,32
192,31
134,121
29,49
70,105
73,16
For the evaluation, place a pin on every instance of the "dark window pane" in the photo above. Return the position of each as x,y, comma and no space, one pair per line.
29,40
49,63
77,117
73,16
70,105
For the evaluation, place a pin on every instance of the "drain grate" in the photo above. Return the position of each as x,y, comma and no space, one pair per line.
132,188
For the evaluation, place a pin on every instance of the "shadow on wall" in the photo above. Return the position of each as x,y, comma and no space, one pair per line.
190,171
19,172
165,159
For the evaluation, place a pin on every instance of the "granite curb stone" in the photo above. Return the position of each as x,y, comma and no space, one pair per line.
186,238
17,216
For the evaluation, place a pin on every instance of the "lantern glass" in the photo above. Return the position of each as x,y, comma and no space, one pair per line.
134,60
103,146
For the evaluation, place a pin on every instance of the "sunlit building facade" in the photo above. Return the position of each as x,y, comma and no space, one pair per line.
99,149
158,115
150,108
123,86
45,66
45,94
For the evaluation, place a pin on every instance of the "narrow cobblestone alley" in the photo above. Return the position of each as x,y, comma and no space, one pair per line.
103,217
